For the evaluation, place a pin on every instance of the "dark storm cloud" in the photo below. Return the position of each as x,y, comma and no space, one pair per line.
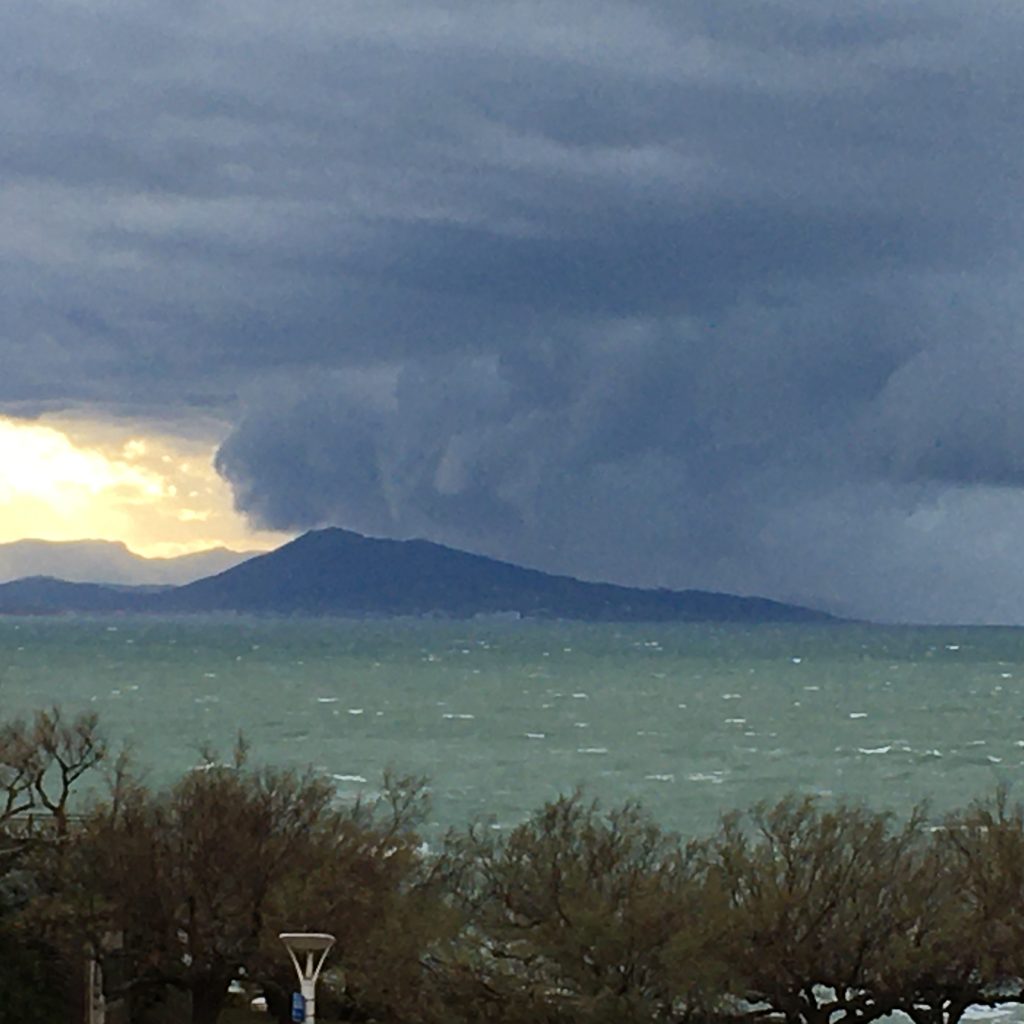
695,293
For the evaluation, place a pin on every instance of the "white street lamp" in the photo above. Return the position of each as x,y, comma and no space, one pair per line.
303,948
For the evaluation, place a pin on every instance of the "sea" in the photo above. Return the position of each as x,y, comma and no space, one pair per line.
690,720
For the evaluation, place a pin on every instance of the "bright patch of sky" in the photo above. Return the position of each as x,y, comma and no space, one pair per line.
67,479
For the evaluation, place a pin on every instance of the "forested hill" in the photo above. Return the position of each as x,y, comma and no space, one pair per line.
337,572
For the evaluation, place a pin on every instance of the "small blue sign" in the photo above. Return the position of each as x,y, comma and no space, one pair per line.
298,1007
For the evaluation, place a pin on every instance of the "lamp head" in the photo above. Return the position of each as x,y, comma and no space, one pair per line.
307,942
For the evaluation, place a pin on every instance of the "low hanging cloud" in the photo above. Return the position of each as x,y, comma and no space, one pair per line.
774,450
719,293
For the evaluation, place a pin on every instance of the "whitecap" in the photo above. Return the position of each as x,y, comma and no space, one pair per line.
355,711
731,696
858,714
581,725
536,736
582,696
796,661
875,750
812,689
715,778
591,750
952,647
669,777
349,778
451,715
735,721
994,760
327,700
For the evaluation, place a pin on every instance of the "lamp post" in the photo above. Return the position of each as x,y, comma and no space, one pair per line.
303,948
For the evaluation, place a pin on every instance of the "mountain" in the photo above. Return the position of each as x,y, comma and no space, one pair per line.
43,595
102,561
337,572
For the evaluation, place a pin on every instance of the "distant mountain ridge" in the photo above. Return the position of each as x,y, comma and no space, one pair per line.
104,561
44,595
337,572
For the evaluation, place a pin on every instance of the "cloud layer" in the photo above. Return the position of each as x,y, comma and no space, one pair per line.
719,293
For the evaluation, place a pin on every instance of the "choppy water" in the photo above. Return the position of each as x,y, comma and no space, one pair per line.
690,719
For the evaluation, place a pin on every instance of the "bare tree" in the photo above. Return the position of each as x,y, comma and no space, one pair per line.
814,907
369,884
187,874
969,947
581,915
42,761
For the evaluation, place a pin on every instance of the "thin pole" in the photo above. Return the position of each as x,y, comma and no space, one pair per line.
309,988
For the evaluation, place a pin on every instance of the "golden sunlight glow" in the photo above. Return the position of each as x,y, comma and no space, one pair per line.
73,479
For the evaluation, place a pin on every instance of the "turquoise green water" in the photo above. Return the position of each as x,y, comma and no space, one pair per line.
691,720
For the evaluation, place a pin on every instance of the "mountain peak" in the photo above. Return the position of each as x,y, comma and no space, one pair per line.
334,571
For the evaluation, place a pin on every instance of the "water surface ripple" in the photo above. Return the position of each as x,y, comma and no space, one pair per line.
689,719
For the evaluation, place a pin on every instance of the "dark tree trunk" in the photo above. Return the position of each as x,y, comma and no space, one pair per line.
940,1012
208,996
279,1002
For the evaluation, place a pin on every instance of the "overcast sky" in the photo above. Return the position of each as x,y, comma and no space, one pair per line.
712,293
